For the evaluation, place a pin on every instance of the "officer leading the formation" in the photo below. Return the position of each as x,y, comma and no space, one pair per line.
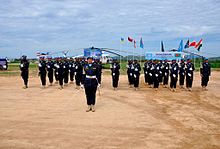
24,67
90,83
205,72
115,67
42,66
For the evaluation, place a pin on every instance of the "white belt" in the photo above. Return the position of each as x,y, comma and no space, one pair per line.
91,77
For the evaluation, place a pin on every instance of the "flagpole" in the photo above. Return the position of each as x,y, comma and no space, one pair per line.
120,53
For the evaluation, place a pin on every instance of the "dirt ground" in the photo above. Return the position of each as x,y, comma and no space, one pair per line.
49,118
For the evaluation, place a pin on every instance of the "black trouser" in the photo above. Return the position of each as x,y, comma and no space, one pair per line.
205,81
173,82
56,75
90,95
130,78
115,80
182,78
145,77
50,76
189,81
78,78
150,79
24,75
66,77
71,75
60,78
136,80
43,78
160,77
165,78
156,82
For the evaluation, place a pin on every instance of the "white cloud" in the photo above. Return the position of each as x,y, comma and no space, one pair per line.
52,24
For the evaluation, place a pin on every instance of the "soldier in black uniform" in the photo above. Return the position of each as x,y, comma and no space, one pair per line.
150,73
71,70
78,72
90,83
66,71
160,65
189,74
59,67
205,72
115,67
50,67
173,75
182,73
42,66
130,68
24,67
165,71
156,73
146,68
99,66
136,74
55,69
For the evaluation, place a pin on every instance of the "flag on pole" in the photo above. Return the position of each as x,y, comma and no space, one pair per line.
199,45
162,47
187,44
141,43
122,40
192,44
130,39
134,44
180,49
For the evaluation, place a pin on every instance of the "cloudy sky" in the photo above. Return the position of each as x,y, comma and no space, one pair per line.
28,26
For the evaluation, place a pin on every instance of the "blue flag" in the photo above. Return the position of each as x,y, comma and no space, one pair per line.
141,43
180,49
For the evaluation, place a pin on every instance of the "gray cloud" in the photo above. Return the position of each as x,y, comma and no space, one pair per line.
68,24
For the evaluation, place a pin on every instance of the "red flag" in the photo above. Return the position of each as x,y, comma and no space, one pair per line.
130,39
134,44
198,44
192,44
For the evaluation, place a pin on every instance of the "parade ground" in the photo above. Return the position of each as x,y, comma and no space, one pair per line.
48,118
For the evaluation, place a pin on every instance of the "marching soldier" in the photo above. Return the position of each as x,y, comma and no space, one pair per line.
66,71
160,65
50,67
130,68
156,73
146,67
166,68
189,74
205,72
42,66
55,70
182,73
173,75
59,68
150,73
78,73
99,66
136,73
71,70
24,67
90,83
115,67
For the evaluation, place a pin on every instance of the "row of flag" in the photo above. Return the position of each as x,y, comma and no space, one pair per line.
196,45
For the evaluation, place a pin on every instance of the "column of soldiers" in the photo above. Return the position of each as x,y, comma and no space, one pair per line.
88,74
